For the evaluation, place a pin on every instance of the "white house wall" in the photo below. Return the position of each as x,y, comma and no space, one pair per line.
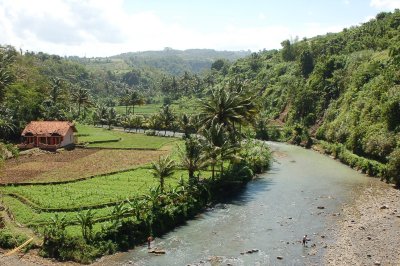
68,138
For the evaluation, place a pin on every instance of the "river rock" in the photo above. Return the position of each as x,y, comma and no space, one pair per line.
384,207
251,251
321,207
377,263
279,257
157,251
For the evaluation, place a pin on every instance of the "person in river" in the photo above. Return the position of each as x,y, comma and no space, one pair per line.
305,239
149,239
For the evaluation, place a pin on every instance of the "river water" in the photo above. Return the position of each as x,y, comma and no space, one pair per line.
271,215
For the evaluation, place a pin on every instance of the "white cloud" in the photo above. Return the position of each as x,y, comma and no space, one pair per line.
385,4
105,28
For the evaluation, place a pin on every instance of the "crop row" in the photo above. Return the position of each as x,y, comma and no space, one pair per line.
99,190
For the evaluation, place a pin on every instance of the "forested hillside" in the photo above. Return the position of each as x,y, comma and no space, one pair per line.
170,61
343,88
49,87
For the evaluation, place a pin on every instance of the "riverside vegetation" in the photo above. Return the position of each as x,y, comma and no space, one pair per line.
83,218
340,91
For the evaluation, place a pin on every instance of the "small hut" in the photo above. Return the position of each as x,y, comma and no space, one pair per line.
48,135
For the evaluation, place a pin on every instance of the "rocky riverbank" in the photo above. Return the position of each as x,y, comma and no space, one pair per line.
368,231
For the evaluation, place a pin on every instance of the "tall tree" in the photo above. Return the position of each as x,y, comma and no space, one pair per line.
6,77
227,108
217,146
135,98
192,157
167,117
81,97
162,169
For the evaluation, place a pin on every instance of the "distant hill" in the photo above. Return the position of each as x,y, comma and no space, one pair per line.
176,62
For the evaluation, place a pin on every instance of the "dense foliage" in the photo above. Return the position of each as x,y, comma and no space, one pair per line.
343,88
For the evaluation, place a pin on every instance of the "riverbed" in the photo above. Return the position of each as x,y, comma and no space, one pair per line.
302,193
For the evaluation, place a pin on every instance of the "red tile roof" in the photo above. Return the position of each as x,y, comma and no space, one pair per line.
48,127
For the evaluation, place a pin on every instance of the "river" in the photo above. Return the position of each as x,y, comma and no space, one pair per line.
301,194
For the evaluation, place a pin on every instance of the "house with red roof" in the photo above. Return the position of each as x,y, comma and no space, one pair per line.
48,135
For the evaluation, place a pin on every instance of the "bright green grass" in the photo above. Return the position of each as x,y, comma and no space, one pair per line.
88,133
124,139
93,191
146,109
25,215
134,141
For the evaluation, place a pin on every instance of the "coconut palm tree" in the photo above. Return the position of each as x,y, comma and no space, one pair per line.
192,157
135,98
154,122
227,107
167,117
111,117
162,169
81,97
186,125
137,122
218,147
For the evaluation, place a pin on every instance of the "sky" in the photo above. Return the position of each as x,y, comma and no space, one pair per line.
100,28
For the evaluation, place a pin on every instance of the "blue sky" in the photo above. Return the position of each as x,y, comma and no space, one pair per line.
109,27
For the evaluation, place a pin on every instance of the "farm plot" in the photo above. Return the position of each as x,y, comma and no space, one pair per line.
76,164
110,139
98,190
29,217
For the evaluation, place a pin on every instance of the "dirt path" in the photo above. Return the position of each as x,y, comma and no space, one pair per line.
368,232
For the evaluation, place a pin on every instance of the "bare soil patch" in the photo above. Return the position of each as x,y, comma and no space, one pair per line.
369,230
75,164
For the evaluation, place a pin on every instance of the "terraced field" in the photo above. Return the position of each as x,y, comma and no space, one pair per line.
95,179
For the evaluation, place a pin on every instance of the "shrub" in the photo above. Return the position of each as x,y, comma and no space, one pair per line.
394,167
10,240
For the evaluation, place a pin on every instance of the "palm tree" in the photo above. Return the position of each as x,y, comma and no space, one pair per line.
135,98
162,169
137,122
192,157
99,115
81,97
111,117
167,117
56,87
154,122
217,147
227,107
185,125
86,220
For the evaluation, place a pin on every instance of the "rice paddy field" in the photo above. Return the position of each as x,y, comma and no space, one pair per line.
93,178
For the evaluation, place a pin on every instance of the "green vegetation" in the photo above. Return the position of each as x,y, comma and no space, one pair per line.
104,138
98,190
339,90
342,88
